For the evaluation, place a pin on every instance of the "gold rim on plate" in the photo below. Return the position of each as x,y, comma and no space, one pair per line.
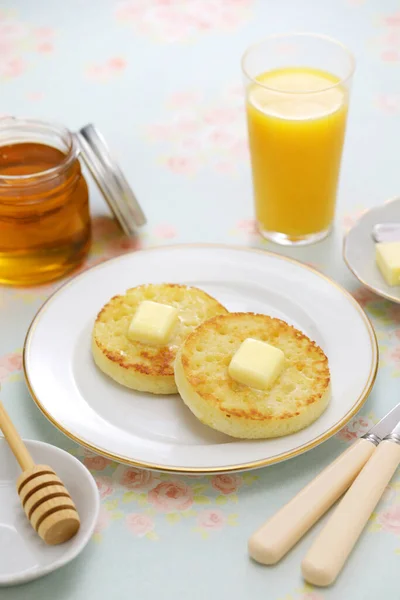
229,468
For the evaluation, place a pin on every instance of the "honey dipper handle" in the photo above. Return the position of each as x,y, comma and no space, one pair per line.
14,440
333,545
281,532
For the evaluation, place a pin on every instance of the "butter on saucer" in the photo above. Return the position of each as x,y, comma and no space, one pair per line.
388,261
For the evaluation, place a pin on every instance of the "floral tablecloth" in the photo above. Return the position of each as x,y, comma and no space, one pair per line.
161,79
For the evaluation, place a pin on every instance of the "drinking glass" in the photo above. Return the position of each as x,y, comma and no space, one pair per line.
297,96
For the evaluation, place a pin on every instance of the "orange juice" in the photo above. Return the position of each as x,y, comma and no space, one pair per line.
296,121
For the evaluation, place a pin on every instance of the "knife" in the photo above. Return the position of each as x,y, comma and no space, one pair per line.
284,529
329,552
386,232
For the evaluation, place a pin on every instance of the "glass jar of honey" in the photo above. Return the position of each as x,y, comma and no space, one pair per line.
45,227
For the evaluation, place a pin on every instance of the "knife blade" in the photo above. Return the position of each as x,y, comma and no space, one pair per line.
385,426
386,232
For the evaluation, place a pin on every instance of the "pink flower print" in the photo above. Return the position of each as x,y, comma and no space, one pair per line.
350,219
389,103
199,134
226,484
43,33
174,20
104,71
390,55
392,20
248,226
390,519
211,519
116,64
16,40
45,47
171,496
10,363
311,596
222,139
96,463
187,125
364,296
133,478
104,227
168,22
12,67
122,245
139,524
103,521
356,428
129,10
105,486
182,165
13,31
165,231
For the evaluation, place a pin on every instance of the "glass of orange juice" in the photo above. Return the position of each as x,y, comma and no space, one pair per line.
297,96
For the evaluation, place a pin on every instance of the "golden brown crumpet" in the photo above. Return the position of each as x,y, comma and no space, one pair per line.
295,399
141,366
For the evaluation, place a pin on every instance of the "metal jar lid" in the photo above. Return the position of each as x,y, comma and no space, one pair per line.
110,180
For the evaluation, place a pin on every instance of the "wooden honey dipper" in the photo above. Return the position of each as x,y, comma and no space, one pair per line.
45,499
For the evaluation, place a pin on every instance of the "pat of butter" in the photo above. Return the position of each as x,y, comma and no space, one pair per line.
153,323
256,364
388,261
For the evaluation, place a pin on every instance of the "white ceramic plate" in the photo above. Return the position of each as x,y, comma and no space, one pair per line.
359,249
160,432
24,556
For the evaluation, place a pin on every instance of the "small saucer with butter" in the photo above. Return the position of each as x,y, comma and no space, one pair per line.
375,264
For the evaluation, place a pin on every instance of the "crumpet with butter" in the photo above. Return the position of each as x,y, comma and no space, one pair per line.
252,376
136,335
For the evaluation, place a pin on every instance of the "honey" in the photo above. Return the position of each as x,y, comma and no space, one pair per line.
44,205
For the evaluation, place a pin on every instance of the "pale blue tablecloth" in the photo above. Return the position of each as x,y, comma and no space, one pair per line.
161,79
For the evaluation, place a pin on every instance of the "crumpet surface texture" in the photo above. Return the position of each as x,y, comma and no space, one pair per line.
295,399
141,366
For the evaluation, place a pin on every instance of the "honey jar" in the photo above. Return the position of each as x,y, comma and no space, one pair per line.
45,226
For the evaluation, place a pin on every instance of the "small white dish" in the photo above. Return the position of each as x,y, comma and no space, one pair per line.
160,432
23,555
359,249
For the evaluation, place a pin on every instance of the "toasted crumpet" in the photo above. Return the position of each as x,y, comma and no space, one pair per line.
294,400
140,366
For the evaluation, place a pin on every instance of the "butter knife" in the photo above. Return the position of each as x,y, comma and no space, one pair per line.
330,550
284,529
386,232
